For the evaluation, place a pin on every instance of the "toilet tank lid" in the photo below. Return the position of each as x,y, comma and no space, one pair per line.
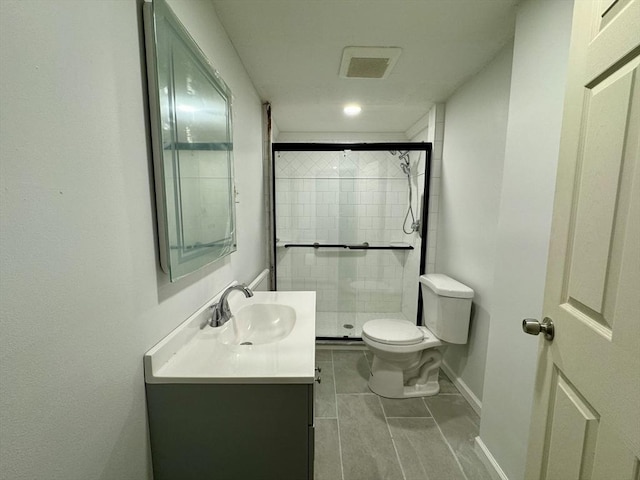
446,286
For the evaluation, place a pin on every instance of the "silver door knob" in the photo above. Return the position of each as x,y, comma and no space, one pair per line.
534,327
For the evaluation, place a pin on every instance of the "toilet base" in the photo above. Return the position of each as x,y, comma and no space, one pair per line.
391,381
407,391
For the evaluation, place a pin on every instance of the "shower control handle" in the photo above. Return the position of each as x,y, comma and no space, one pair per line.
534,327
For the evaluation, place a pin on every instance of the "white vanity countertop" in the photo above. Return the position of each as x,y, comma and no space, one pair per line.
191,353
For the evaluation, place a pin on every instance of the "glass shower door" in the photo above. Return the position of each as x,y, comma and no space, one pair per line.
339,231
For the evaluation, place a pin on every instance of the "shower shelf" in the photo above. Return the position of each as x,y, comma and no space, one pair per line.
350,246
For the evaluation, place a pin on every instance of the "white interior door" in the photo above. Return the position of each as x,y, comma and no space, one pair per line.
586,418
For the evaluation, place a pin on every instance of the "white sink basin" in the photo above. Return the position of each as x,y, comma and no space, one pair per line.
279,325
258,324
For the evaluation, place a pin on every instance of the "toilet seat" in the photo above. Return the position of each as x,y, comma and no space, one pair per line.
392,331
393,345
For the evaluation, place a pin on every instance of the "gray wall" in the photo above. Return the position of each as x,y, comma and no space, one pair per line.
82,294
472,162
499,166
533,137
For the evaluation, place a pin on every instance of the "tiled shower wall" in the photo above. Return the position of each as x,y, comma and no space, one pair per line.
345,197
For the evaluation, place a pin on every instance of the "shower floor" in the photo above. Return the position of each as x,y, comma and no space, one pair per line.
348,324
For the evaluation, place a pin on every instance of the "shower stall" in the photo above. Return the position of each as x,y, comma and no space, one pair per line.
348,224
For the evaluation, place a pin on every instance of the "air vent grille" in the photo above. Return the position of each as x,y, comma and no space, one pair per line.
368,62
367,67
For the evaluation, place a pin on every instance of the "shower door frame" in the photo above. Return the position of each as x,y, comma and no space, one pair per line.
425,147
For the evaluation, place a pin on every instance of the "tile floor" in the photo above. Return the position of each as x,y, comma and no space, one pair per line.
361,436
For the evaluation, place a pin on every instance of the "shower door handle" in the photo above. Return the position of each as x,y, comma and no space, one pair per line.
358,246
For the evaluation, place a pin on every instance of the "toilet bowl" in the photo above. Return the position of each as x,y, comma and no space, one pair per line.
406,357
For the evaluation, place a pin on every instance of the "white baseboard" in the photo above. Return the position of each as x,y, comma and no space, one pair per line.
489,461
466,392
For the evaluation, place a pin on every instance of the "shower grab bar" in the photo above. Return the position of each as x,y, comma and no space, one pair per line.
351,246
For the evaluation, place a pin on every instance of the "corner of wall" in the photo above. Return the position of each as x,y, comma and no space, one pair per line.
540,59
429,128
493,467
470,172
435,135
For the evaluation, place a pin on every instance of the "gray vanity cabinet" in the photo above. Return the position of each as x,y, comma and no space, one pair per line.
231,432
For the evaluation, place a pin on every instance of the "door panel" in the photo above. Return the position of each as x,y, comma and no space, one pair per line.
586,415
573,428
612,460
607,107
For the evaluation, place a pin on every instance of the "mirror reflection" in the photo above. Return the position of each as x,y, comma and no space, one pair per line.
192,148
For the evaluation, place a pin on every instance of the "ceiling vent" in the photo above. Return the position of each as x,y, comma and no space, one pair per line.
368,62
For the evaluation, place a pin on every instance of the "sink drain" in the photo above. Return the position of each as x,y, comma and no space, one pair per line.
246,343
348,326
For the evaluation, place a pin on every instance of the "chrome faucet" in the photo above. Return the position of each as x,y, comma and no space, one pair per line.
220,312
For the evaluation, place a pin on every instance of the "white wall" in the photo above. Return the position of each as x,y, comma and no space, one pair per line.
339,137
535,114
82,294
472,160
429,128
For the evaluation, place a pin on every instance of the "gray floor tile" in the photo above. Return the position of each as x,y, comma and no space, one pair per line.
460,425
367,449
404,407
323,356
423,452
347,355
351,371
446,385
325,392
327,452
368,452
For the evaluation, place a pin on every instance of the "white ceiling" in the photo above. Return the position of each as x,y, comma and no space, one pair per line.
292,51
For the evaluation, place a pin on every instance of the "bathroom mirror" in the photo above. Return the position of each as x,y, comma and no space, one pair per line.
190,108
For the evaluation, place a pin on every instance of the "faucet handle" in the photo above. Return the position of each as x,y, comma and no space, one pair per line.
221,312
214,320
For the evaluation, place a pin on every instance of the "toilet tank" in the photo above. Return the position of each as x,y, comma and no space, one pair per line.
446,307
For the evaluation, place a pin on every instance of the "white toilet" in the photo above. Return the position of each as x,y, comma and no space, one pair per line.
406,358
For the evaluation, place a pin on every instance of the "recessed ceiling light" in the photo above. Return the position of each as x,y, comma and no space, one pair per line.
352,109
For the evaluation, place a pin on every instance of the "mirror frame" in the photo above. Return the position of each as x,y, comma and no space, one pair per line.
181,259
